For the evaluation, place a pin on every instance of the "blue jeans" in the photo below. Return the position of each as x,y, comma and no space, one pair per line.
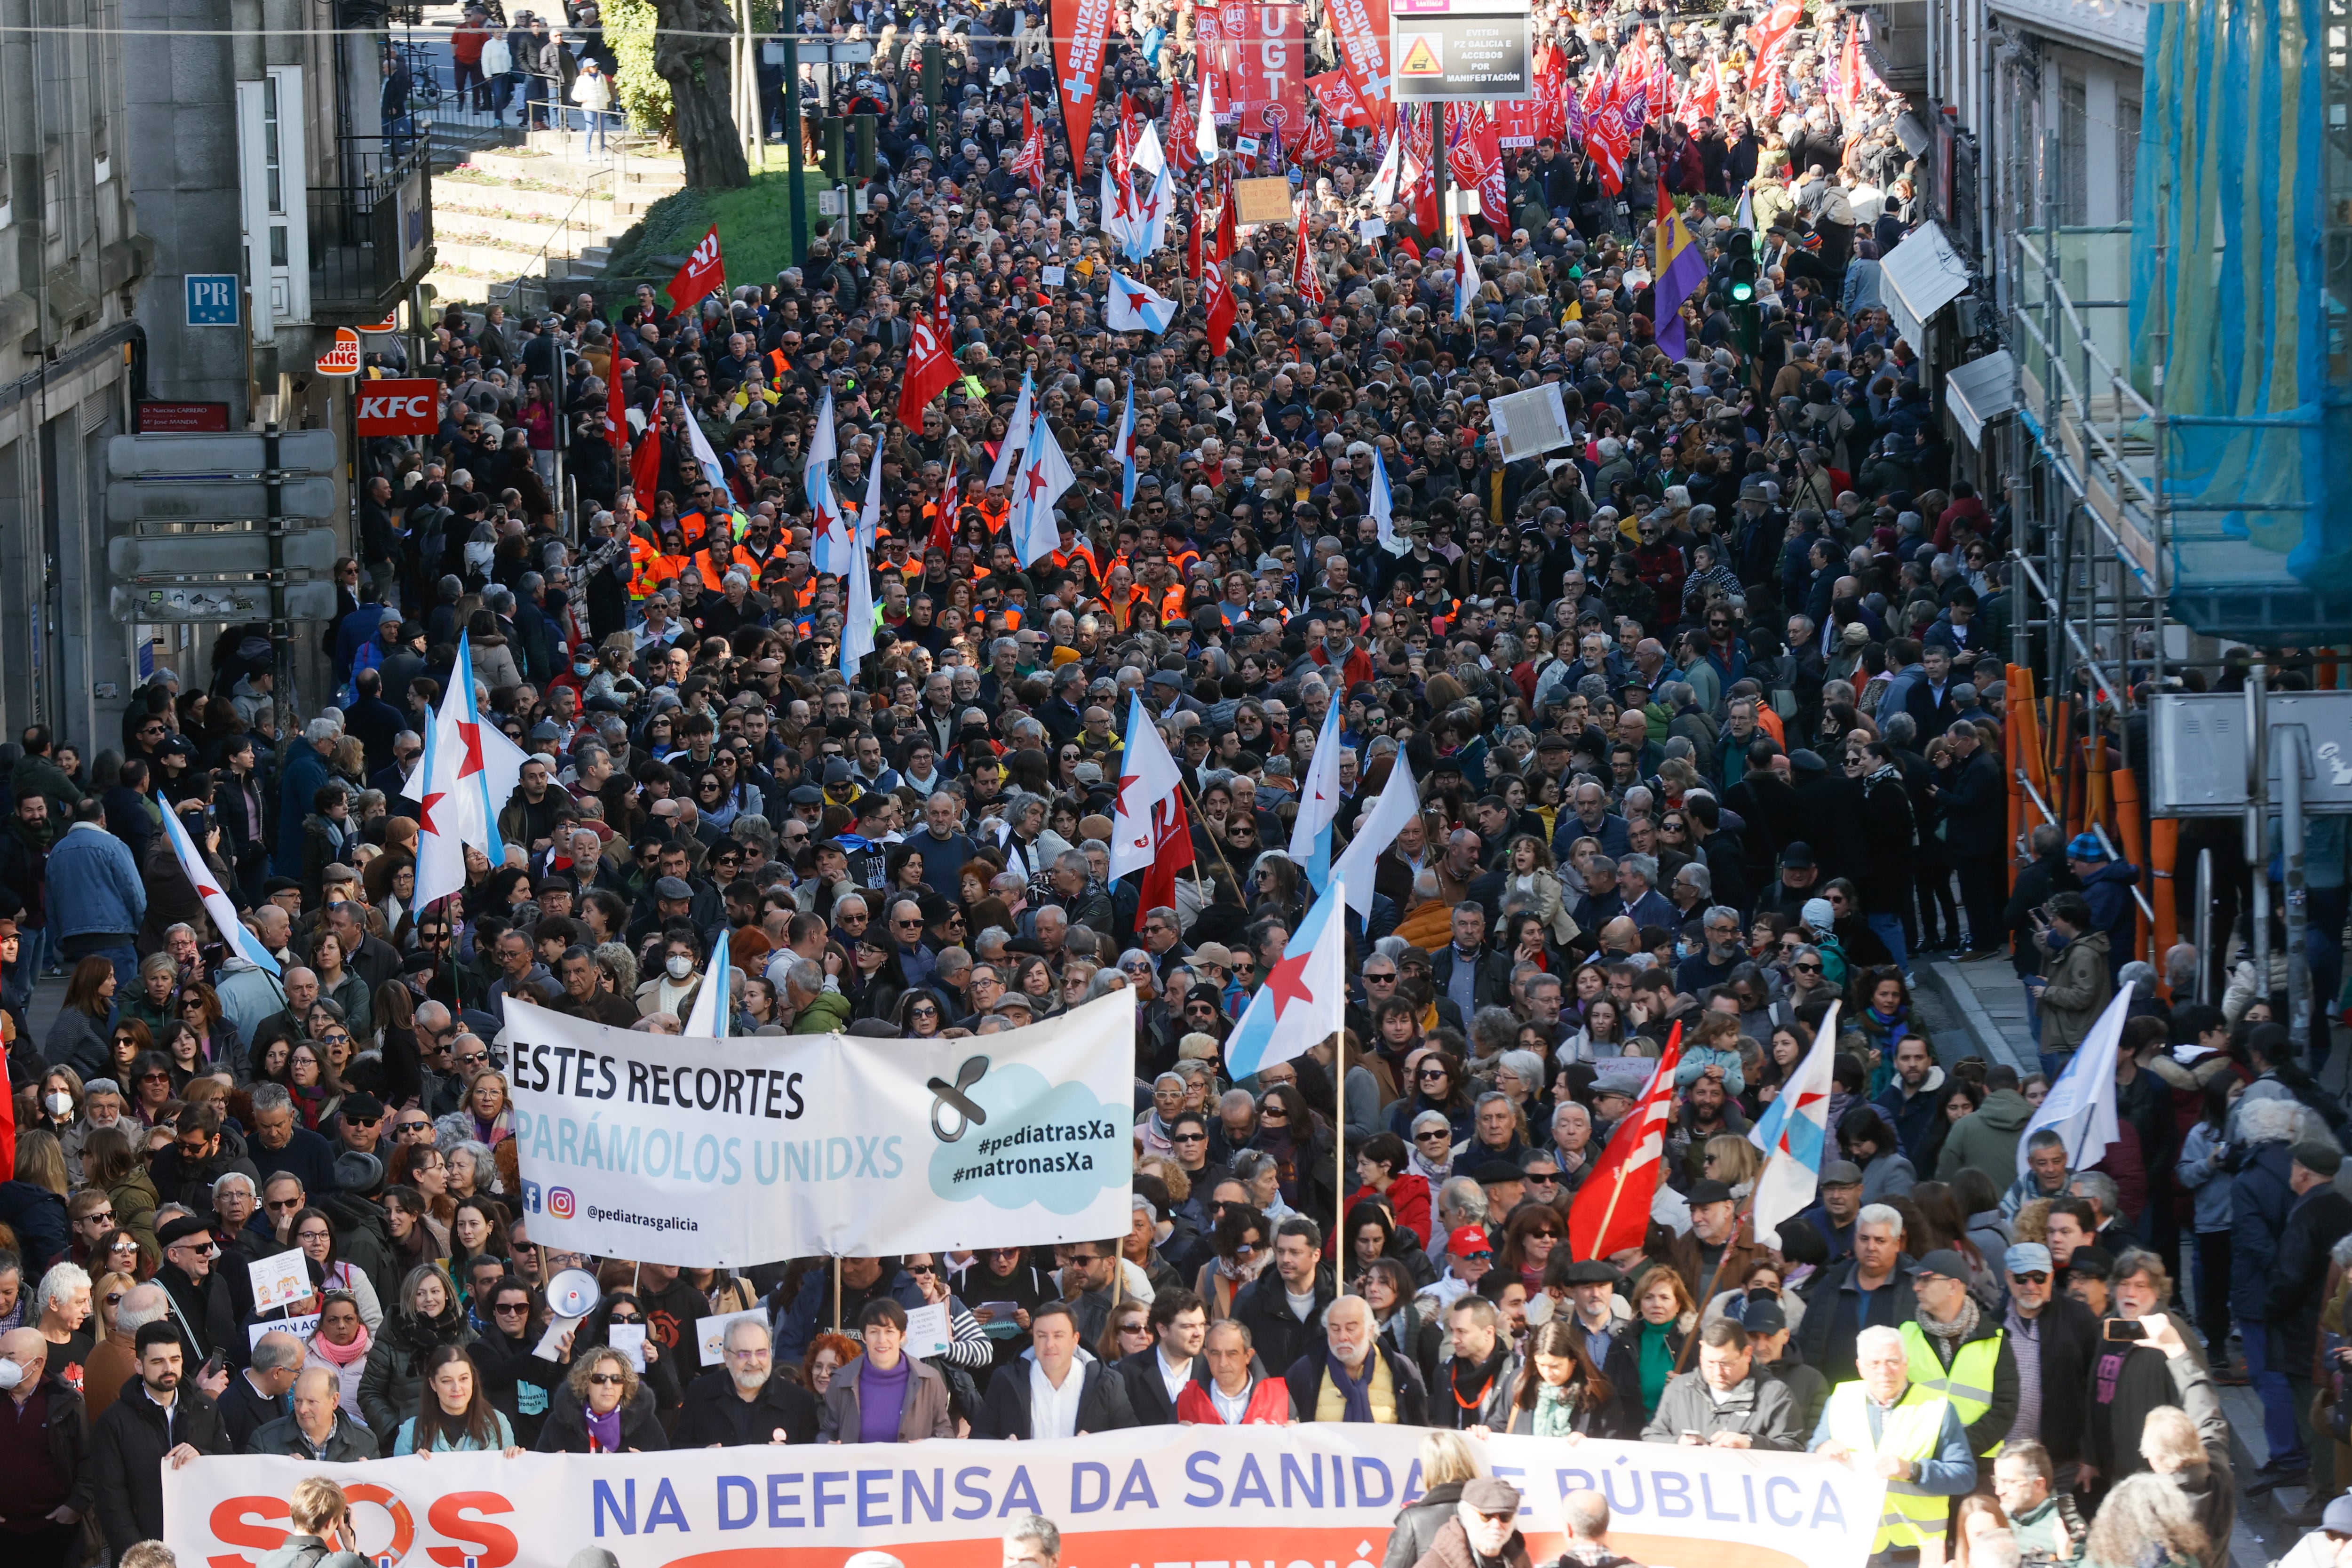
32,952
1888,929
597,123
2269,1378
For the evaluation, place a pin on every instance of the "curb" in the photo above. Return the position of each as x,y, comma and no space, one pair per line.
1947,982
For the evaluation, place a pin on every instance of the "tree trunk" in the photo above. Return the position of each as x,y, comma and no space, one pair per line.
692,52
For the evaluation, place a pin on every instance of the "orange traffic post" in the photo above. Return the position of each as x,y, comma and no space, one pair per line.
2163,851
2125,787
2011,735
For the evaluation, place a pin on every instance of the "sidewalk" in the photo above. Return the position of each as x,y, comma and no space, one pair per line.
1991,1002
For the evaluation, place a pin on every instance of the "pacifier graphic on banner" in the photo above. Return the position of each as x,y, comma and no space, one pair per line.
953,1098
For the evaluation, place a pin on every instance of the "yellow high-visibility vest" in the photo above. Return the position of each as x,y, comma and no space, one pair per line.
1969,1384
1912,1516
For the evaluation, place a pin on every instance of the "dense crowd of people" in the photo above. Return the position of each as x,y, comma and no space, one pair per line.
1705,709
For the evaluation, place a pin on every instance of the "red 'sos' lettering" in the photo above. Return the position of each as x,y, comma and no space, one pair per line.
494,1544
232,1525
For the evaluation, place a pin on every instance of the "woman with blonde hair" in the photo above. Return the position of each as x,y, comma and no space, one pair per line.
1731,1159
2146,1522
1448,1462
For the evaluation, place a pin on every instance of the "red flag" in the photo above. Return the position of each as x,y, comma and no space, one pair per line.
1030,162
1767,37
943,523
617,409
704,270
644,466
1849,84
1080,30
8,1101
1776,92
930,360
1172,839
1359,29
1611,1211
1303,276
1317,147
1181,146
1216,293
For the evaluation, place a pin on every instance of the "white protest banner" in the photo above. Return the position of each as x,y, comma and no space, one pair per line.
301,1328
710,1334
282,1279
1170,1496
675,1150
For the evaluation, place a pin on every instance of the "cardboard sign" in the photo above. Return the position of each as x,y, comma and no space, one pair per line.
1055,277
1262,201
281,1281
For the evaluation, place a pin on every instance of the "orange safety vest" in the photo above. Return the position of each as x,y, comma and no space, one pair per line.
784,367
691,527
995,514
644,555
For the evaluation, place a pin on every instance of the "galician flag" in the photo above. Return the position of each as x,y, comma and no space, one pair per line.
1792,1133
1318,802
857,610
240,941
1044,475
869,520
502,763
1304,1001
1136,307
707,1018
1204,129
1375,831
2081,1106
1465,272
1016,435
454,808
1122,447
829,551
1383,507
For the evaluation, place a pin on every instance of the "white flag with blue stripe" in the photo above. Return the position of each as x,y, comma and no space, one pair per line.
1319,801
240,941
1122,447
707,1018
1793,1132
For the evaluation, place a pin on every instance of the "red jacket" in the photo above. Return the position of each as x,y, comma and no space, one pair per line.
1269,1405
1407,1198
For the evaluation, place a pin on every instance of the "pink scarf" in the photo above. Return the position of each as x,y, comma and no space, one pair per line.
338,1355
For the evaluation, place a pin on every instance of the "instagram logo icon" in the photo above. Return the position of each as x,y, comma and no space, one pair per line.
559,1202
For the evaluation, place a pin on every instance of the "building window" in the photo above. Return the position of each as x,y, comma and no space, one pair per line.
2127,158
2074,153
272,158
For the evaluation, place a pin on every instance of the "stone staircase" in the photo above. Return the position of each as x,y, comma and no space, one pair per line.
511,217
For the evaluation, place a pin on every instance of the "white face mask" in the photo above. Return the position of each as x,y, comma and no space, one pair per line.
60,1104
680,966
11,1374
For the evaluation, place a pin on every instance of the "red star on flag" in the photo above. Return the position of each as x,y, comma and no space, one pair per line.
425,810
1135,298
1036,483
1287,985
472,735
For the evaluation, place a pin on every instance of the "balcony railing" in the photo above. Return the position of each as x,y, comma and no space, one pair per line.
371,234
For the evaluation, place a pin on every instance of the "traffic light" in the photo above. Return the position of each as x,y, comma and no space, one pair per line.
862,128
1741,285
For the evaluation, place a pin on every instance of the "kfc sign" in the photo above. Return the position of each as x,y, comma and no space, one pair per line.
399,407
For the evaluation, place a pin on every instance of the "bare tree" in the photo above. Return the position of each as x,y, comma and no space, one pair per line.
693,52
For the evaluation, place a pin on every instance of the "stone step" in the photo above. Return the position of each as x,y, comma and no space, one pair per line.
636,176
528,232
496,200
493,260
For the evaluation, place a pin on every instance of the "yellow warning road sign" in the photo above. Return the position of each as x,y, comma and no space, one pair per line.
1424,54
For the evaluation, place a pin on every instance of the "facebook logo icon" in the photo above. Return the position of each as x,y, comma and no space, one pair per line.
213,298
530,1199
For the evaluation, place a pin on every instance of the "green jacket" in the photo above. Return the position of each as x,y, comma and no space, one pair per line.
1987,1139
827,1015
41,775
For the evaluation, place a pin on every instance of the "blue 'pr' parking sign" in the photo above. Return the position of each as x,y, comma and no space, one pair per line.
212,299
